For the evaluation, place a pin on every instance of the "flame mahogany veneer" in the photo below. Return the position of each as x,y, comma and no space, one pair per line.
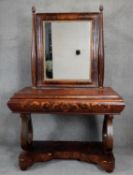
59,100
64,101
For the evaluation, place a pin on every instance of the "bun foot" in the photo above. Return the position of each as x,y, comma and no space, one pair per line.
83,151
25,161
108,164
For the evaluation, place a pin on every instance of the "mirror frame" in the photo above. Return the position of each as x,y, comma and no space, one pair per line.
97,52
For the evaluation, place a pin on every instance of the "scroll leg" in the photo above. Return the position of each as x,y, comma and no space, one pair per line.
109,164
108,133
26,131
26,140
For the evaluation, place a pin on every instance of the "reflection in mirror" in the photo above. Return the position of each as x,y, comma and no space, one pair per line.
48,50
67,47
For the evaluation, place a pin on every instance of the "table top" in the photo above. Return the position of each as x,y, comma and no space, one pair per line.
67,100
71,93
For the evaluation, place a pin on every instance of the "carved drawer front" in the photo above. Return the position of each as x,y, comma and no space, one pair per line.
66,106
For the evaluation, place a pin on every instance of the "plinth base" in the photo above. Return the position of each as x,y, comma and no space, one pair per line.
41,151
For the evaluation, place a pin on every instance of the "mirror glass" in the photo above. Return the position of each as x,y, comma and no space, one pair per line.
67,50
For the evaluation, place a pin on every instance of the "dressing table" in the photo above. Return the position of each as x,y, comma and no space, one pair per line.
67,78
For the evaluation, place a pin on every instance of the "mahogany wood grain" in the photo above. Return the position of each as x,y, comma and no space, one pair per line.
101,51
77,101
26,130
67,97
89,93
97,60
108,133
34,51
82,151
